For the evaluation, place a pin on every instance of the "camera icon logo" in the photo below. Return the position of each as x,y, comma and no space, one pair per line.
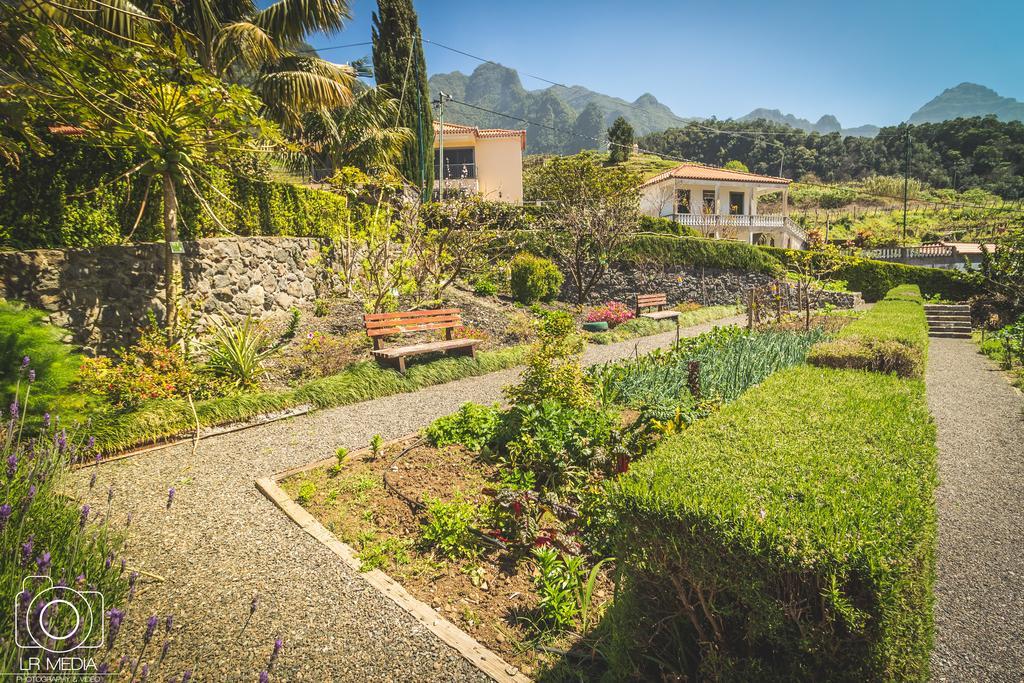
57,619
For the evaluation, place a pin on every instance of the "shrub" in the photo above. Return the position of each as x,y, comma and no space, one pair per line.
323,355
790,536
693,251
665,226
485,287
891,337
533,278
236,353
449,528
553,369
147,371
613,312
521,327
558,581
473,426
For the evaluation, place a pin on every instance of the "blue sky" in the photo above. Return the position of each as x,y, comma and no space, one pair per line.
870,61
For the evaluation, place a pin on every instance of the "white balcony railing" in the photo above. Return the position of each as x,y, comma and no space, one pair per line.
715,221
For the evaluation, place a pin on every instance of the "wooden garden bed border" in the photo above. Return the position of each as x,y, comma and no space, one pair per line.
472,650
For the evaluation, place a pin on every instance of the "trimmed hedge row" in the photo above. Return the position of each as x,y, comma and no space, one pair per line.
696,251
891,337
873,279
790,536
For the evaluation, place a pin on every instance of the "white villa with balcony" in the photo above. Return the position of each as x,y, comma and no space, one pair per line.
722,203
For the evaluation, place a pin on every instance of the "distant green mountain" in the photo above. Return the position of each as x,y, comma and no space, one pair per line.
498,88
825,125
966,100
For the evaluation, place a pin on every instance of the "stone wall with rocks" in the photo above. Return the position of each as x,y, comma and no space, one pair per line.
103,295
706,286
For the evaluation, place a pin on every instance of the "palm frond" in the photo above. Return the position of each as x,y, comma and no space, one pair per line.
288,94
289,21
246,42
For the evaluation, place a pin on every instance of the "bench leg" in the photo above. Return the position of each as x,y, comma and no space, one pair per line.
677,331
400,363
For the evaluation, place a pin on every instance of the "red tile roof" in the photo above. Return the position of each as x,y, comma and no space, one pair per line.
690,171
484,133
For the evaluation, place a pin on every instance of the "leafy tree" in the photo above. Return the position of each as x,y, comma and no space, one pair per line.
401,70
591,211
736,165
620,140
154,103
588,130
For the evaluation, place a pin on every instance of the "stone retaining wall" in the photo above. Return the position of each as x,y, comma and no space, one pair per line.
706,286
102,295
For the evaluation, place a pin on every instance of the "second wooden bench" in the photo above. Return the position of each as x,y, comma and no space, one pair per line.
659,302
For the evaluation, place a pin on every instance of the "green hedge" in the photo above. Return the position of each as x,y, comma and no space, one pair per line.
891,337
790,536
874,278
694,251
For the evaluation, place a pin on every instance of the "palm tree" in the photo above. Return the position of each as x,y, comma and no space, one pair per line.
365,135
235,41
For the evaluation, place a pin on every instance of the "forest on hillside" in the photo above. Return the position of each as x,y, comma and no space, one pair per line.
962,154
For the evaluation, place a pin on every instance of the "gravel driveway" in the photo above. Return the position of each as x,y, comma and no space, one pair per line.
980,588
221,543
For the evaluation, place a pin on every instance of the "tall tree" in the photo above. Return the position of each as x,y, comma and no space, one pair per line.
620,140
400,69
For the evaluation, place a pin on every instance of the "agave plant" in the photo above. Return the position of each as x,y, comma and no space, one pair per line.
236,352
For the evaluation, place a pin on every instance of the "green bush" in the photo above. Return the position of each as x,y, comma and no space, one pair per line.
665,226
790,536
533,278
873,279
891,337
473,426
449,528
699,252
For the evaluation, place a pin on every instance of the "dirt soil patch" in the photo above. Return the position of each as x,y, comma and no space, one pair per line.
491,596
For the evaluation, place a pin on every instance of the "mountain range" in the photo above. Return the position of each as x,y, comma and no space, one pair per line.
560,119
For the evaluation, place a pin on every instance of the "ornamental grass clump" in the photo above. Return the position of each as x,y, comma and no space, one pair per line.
790,536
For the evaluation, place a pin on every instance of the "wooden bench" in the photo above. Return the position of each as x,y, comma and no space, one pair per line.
380,325
659,302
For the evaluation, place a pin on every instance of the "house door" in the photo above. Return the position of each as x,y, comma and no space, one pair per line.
736,203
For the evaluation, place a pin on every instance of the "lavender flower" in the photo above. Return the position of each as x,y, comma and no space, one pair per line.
46,420
25,361
164,649
43,563
170,497
264,677
255,604
278,646
12,465
90,444
26,550
122,565
5,514
169,623
31,376
109,561
14,410
62,441
115,617
83,518
150,628
145,673
103,668
110,494
186,677
92,481
123,663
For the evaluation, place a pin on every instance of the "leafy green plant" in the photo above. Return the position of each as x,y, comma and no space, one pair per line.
236,353
553,369
376,446
485,287
294,318
448,527
321,308
306,493
383,553
558,583
533,278
473,426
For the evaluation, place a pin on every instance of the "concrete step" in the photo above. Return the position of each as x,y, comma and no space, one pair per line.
947,316
950,323
950,335
947,308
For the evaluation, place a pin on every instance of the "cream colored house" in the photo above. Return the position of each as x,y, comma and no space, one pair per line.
484,161
722,203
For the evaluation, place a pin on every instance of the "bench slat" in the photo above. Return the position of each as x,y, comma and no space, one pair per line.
425,347
373,317
405,329
660,315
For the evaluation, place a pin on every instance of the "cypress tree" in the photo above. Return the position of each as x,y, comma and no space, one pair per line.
396,32
620,139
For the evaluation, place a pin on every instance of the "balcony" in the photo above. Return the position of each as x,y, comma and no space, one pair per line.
711,223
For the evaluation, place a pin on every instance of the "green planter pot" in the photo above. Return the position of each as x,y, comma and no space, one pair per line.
596,327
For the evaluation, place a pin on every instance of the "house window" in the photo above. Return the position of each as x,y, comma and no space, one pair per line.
736,200
458,163
709,202
682,201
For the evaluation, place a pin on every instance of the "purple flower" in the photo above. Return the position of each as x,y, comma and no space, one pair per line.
150,628
26,550
145,672
264,677
25,361
80,580
123,663
62,441
109,561
103,668
92,481
14,410
5,514
255,603
83,518
90,444
164,649
186,677
169,623
278,646
43,563
31,376
122,565
46,420
12,465
132,578
110,494
170,497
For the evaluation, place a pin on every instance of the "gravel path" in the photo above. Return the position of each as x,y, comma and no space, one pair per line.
221,543
980,588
